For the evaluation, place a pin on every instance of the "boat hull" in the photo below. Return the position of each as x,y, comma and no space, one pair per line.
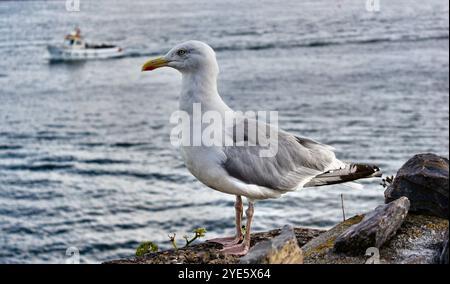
67,54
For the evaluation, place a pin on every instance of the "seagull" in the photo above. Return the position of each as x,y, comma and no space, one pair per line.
240,169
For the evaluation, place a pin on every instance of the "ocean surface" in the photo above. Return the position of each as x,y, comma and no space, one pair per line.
85,158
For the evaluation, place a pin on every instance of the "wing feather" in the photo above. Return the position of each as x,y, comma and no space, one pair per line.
296,161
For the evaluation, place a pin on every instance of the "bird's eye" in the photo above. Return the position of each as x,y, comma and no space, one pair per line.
181,52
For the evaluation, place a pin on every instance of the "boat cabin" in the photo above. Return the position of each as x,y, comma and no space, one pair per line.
74,42
74,39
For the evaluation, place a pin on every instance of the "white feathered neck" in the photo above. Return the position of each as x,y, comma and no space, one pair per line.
200,86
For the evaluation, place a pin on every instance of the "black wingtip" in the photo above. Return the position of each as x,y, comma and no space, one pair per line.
350,173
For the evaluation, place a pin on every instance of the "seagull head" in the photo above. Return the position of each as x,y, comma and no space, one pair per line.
188,57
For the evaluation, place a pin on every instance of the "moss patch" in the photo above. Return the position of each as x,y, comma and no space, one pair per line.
322,245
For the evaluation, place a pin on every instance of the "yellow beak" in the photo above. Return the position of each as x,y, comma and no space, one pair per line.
154,63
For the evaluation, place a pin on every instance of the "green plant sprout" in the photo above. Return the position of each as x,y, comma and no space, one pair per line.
146,247
199,233
173,241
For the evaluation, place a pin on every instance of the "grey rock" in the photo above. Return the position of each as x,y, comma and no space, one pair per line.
443,259
282,249
418,241
424,180
377,227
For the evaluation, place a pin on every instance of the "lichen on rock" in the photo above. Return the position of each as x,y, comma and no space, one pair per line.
377,227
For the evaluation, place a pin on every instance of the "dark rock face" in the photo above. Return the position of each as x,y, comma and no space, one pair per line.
374,230
283,249
424,180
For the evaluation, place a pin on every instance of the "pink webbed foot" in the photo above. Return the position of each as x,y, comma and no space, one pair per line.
238,250
227,241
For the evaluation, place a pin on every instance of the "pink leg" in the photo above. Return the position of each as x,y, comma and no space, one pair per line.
242,249
231,241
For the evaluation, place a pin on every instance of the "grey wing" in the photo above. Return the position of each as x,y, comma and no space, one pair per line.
296,160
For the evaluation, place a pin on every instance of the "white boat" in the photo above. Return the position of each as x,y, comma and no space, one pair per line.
75,48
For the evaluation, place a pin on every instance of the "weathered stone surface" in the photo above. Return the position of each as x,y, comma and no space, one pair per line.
282,249
374,230
419,240
318,249
424,180
209,253
443,258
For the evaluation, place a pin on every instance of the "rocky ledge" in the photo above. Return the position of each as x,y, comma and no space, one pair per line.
412,227
210,253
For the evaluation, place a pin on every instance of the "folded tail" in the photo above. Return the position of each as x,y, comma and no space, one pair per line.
350,173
